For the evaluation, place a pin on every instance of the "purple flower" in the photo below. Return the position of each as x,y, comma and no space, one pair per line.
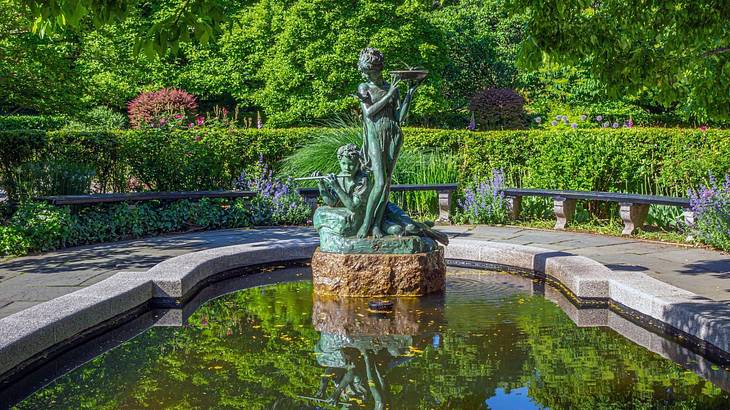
606,124
558,117
565,118
583,117
553,123
472,123
599,118
163,121
538,120
574,126
630,124
614,125
200,120
191,125
703,128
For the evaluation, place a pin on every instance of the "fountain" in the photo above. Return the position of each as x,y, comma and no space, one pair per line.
368,245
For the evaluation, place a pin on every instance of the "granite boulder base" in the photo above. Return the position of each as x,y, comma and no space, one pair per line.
371,275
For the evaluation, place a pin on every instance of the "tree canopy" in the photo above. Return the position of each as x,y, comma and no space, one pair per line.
676,52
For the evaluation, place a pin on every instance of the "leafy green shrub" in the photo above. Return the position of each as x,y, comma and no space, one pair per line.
498,108
12,242
17,148
43,226
98,118
32,122
54,178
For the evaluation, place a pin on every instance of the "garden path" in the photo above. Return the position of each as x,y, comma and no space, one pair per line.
30,280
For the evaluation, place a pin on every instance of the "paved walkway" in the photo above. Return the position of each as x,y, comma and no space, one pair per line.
31,280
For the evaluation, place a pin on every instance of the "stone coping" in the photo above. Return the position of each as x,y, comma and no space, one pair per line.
32,333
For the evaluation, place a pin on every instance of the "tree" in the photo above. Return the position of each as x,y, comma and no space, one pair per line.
676,52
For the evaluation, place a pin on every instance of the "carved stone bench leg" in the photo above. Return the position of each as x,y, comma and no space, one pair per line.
514,206
689,216
634,216
311,201
564,210
444,206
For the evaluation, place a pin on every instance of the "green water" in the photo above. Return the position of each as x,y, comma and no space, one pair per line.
486,343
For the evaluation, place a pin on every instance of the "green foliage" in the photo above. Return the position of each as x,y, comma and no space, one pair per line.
32,122
100,118
659,161
673,52
12,242
39,227
432,166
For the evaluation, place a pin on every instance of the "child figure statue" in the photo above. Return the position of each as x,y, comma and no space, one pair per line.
345,196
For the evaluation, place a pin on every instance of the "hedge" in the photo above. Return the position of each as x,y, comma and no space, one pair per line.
32,122
644,160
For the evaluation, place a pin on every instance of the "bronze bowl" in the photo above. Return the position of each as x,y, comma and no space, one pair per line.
409,75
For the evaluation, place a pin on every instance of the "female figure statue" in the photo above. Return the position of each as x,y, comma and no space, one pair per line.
383,113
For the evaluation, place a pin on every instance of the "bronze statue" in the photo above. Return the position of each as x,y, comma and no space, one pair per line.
383,113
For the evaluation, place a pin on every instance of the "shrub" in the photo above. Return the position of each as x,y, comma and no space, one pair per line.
98,118
483,203
43,226
12,242
32,122
154,108
498,108
711,204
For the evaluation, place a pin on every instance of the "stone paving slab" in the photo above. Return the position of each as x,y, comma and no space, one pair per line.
30,280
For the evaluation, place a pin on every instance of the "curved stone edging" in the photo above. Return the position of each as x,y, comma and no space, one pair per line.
699,317
28,333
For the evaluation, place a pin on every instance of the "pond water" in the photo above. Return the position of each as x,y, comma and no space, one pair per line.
486,342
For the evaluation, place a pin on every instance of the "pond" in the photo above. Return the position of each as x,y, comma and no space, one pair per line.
489,341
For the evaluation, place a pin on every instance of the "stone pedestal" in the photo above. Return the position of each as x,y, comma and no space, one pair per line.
371,275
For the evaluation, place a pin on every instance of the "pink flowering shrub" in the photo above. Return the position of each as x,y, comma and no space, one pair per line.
159,108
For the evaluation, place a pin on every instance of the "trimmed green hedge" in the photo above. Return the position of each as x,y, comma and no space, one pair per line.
644,160
637,160
32,122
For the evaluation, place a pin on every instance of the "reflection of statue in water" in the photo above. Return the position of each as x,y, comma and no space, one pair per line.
345,198
345,357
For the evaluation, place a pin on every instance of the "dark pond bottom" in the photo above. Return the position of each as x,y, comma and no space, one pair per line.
487,342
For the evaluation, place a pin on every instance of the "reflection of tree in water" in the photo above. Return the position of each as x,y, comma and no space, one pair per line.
255,350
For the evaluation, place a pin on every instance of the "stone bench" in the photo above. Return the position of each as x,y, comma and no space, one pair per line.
634,208
133,197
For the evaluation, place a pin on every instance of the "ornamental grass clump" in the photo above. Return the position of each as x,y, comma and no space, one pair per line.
484,202
711,206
